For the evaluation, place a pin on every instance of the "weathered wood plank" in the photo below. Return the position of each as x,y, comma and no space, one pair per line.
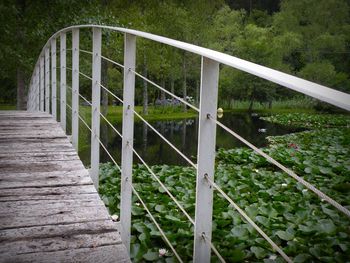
49,197
37,154
57,140
34,167
26,121
51,154
42,179
59,237
37,148
25,126
38,135
50,210
15,206
85,192
62,242
55,216
15,158
19,112
16,234
102,254
47,190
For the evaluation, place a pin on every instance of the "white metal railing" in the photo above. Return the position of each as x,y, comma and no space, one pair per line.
39,100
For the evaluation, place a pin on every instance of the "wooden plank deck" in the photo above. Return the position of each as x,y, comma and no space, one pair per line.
49,208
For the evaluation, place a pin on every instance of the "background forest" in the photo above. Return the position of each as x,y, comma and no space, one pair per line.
307,38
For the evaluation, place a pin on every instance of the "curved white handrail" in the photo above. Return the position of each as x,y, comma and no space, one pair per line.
323,93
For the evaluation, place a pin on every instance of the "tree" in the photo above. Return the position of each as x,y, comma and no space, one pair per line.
323,26
250,42
26,27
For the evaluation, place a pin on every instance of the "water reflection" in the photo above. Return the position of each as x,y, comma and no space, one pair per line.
184,135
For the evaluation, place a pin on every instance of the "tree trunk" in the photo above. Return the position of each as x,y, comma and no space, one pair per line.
251,103
145,91
184,84
197,93
20,90
104,80
162,93
172,83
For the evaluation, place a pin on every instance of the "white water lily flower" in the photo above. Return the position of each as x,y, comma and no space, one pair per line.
138,204
162,252
115,217
256,170
284,185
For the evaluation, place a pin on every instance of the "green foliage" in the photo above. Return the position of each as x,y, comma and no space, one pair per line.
307,228
323,27
295,104
310,121
7,107
308,38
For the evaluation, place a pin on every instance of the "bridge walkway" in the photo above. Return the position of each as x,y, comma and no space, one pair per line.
50,209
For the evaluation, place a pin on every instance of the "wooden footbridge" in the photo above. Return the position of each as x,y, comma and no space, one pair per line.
50,210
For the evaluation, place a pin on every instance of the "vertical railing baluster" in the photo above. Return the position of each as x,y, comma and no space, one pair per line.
53,79
206,160
75,88
30,102
63,81
37,86
47,80
32,90
42,80
30,96
128,135
95,109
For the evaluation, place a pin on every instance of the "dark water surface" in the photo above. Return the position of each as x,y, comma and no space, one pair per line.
184,135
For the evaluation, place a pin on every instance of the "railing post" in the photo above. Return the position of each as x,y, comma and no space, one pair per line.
128,135
95,109
47,79
30,96
32,91
75,88
63,96
206,160
42,80
53,79
37,87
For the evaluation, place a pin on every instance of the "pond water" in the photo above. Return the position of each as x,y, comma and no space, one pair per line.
184,135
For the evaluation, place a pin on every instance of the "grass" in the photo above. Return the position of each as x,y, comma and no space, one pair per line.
7,107
299,104
115,113
272,111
